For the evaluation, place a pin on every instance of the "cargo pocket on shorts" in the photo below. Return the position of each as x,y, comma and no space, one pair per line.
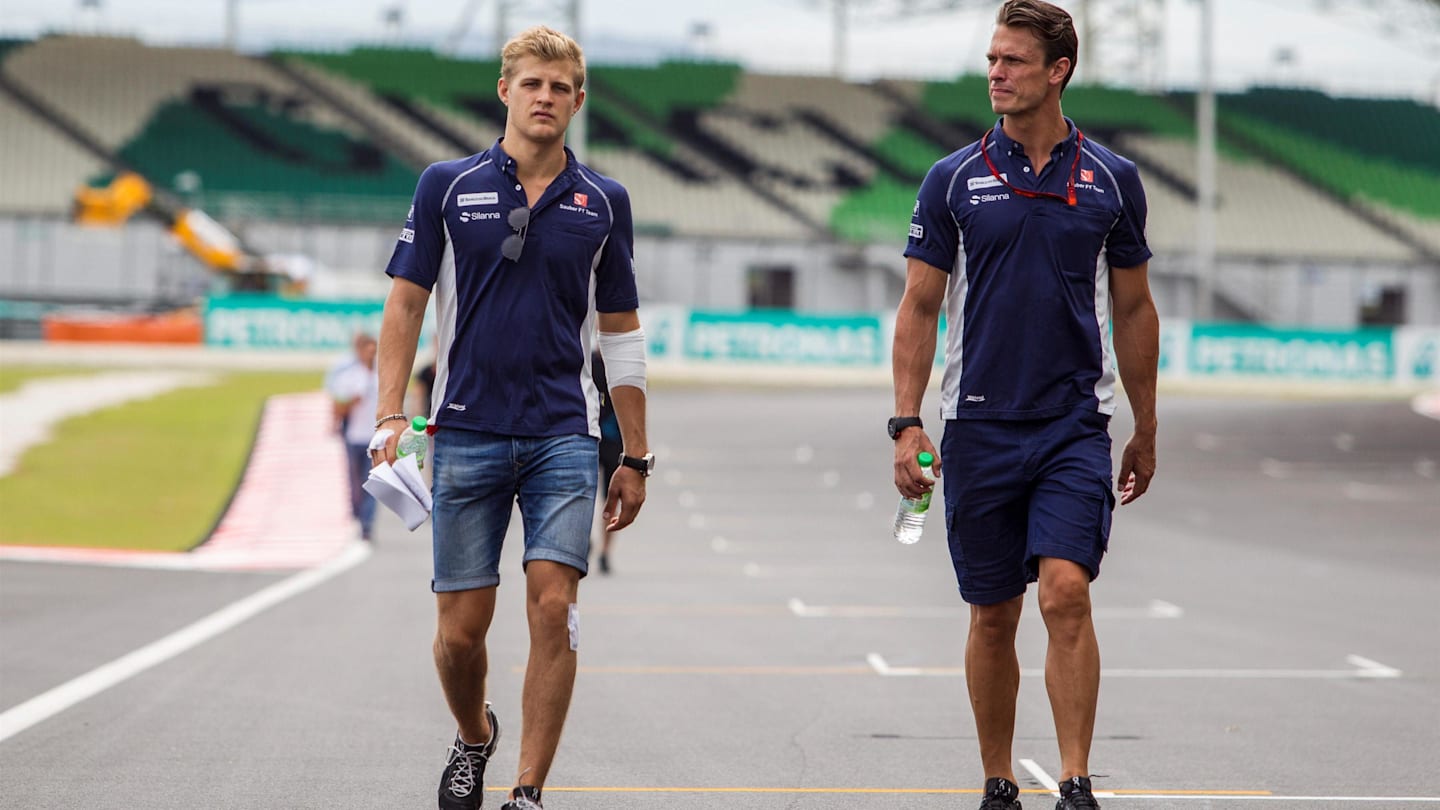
1107,508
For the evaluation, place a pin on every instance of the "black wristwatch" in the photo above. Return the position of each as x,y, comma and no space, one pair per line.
899,423
644,464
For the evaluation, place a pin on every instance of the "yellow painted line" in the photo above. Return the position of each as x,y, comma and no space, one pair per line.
741,670
871,791
1188,792
684,610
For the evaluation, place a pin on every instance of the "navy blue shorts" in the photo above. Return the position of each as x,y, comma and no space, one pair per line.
1016,491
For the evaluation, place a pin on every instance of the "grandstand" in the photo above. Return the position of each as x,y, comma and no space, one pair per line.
318,153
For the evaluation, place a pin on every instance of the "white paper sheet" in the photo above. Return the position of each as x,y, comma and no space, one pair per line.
401,488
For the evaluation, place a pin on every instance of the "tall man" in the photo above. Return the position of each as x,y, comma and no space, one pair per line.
527,251
1052,227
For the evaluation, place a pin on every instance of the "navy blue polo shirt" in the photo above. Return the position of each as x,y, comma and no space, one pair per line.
1028,298
513,337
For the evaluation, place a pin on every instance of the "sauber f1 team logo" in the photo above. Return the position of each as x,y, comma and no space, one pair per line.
582,200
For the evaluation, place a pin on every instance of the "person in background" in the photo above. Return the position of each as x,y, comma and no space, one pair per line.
1052,227
338,367
355,391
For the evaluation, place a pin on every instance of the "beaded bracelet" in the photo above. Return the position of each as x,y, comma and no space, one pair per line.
382,420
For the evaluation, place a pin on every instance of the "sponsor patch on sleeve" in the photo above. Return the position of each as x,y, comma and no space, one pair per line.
917,231
407,235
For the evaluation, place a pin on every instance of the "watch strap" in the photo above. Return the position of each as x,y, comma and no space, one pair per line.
643,464
900,423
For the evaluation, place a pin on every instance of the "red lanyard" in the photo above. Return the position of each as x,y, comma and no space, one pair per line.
1068,199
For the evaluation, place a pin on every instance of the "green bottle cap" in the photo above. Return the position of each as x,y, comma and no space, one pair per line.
925,459
419,423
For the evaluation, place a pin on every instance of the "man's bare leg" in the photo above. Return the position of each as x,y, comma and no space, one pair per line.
992,674
1072,661
460,659
551,589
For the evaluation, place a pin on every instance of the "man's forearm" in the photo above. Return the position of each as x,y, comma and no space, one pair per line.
1137,352
630,413
399,335
912,357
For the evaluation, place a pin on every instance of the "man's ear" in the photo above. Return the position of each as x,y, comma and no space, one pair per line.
579,101
1059,69
502,89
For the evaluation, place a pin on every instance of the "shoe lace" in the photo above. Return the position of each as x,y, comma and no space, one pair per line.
1079,799
462,776
995,802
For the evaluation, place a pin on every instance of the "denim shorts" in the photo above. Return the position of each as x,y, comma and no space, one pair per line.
478,478
1016,491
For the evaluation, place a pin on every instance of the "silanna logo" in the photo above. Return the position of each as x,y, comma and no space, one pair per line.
476,216
976,199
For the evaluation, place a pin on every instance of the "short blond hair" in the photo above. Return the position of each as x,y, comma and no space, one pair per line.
545,44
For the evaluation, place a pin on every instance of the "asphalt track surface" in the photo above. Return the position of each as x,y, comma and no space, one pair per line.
1267,618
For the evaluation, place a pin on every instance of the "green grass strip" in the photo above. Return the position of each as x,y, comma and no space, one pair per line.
13,377
150,475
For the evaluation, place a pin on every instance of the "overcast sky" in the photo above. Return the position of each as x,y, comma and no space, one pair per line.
1343,50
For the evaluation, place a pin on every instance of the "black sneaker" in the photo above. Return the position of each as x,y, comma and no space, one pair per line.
524,797
1075,795
1000,794
463,784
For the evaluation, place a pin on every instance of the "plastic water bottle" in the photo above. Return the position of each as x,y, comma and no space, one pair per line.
910,514
414,442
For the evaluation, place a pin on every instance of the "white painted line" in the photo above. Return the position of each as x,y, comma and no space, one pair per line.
1363,668
1157,609
1427,404
1041,776
1160,609
1372,669
48,704
882,667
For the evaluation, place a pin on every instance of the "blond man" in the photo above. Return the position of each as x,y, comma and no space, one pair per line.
527,252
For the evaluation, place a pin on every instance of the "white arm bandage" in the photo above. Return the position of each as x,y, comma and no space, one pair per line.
624,354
